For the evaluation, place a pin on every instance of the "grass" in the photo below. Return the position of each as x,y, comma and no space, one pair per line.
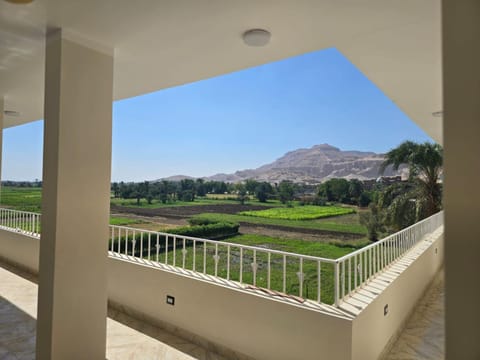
334,225
123,221
23,199
307,212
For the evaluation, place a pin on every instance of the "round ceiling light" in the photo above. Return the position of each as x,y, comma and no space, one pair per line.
256,37
19,1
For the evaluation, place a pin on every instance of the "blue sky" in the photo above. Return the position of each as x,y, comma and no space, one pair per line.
237,121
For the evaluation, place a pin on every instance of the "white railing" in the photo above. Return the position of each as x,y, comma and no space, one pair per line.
354,270
288,273
282,273
20,221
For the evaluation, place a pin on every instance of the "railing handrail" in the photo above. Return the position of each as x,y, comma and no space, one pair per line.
278,252
385,239
226,243
21,211
350,271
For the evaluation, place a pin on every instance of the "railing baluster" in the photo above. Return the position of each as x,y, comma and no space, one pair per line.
349,275
158,245
204,257
194,254
149,244
300,278
241,266
174,250
228,262
166,249
254,267
184,253
284,273
319,281
268,270
356,270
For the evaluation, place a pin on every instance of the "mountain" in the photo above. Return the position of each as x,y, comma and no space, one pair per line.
177,178
314,165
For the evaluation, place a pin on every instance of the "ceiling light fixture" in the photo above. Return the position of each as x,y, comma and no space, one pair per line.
256,37
11,113
22,2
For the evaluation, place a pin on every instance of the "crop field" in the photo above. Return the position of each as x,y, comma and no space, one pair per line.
19,198
334,224
300,212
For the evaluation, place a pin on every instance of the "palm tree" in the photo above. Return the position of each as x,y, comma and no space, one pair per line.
425,165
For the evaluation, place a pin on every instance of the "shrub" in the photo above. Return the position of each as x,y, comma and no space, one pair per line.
210,230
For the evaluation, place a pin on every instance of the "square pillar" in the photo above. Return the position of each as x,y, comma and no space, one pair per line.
461,82
72,298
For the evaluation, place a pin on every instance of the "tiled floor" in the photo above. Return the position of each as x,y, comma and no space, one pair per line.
424,335
127,338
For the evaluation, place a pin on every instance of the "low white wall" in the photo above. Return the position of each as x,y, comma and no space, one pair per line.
20,249
250,324
243,322
372,331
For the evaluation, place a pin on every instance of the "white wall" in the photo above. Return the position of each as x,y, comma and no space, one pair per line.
20,249
250,324
372,331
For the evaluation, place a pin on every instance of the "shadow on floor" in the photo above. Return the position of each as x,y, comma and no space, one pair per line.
17,332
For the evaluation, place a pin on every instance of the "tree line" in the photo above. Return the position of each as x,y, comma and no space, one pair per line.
187,190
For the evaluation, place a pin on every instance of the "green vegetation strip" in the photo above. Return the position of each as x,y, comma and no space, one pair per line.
300,212
334,226
123,221
21,198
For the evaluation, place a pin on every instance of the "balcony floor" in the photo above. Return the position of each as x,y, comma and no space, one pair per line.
424,335
127,338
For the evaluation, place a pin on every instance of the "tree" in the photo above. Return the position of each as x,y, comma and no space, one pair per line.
373,221
263,191
286,191
425,163
241,193
355,190
200,187
335,190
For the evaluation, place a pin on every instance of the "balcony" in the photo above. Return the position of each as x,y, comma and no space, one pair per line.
225,298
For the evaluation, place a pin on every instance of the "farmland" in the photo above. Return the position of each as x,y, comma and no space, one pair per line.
324,231
300,212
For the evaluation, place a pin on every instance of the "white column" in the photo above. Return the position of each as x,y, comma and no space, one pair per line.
72,299
461,63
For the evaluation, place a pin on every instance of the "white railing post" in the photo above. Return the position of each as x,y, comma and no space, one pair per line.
336,283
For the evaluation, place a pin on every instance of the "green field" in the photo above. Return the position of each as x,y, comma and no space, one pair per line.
307,212
123,221
336,225
23,199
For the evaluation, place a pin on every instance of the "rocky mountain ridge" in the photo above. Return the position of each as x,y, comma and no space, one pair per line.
314,165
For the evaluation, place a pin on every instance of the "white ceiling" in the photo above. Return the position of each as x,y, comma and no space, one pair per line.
163,43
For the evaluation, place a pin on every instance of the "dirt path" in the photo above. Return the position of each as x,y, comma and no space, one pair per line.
296,233
181,212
